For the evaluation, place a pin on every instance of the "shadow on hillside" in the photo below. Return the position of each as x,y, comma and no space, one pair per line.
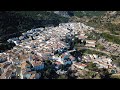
13,25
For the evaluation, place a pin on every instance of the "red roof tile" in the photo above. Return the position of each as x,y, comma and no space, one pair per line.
82,37
79,64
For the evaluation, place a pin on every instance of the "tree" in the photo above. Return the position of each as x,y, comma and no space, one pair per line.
71,74
99,46
104,74
62,77
92,66
70,13
84,42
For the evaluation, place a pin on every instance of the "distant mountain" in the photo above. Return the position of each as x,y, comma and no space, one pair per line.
65,13
89,13
80,13
97,19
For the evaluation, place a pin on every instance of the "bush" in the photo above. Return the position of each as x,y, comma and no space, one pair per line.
62,77
93,35
116,60
99,46
104,74
92,66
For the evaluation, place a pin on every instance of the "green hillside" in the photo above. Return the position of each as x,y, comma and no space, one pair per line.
19,21
13,23
89,13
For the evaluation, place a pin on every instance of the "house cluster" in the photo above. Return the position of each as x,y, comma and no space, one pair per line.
90,43
18,64
37,45
64,58
27,70
5,66
101,62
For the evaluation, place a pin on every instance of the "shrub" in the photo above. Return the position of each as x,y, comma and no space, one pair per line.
111,38
99,46
92,66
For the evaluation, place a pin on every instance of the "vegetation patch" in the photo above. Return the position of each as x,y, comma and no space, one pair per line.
88,51
99,46
112,28
88,13
111,38
116,60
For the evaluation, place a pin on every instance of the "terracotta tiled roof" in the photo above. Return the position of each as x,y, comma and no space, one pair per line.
58,63
82,37
79,64
37,63
23,65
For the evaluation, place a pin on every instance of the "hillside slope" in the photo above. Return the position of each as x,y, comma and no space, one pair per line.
13,23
